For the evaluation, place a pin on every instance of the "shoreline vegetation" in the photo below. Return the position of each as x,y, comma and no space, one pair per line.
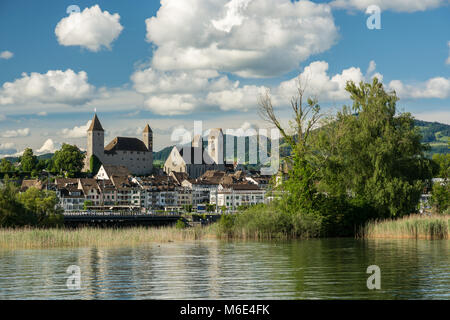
408,227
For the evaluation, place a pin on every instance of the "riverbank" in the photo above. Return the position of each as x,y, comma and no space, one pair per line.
30,238
409,227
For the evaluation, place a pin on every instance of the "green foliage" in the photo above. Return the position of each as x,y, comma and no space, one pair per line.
30,208
87,204
181,224
94,164
68,160
442,162
440,197
6,166
28,161
375,156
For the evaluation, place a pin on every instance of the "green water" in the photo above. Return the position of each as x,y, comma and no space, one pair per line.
311,269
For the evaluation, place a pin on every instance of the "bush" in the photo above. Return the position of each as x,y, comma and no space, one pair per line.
181,224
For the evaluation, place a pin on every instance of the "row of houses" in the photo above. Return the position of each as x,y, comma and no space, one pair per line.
114,188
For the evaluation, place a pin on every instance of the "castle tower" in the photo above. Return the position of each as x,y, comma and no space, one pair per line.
215,145
95,141
147,137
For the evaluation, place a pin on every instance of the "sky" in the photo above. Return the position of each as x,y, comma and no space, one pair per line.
173,62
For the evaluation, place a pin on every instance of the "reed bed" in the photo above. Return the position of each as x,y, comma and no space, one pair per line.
412,227
29,238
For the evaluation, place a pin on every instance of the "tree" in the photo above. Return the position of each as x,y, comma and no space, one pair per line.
6,166
43,204
300,198
12,212
28,160
442,162
373,154
68,160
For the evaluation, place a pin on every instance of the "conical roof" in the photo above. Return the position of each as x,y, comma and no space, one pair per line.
147,129
95,124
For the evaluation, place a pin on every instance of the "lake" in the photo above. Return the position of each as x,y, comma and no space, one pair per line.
303,269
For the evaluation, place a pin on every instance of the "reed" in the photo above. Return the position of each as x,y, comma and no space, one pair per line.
413,226
29,238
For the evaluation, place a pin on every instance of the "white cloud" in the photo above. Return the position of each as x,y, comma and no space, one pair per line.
439,116
438,87
55,86
6,55
394,5
317,82
15,133
250,38
76,132
49,146
91,29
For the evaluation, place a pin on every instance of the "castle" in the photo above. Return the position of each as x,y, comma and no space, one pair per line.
134,154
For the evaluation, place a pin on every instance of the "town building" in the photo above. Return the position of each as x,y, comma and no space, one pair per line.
134,154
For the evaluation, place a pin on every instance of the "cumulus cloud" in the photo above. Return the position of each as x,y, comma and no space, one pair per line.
92,29
55,86
76,132
49,146
6,55
15,133
394,5
250,38
316,82
438,87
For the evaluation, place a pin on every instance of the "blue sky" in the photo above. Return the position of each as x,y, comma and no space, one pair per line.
148,71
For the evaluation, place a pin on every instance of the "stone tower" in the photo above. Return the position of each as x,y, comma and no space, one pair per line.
147,137
95,141
215,145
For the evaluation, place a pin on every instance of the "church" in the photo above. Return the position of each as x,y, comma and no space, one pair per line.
134,154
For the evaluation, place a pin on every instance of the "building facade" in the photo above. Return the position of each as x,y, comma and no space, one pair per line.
134,154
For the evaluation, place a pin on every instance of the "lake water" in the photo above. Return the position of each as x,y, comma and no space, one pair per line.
309,269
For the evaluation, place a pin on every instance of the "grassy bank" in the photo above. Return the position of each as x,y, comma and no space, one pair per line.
413,226
28,238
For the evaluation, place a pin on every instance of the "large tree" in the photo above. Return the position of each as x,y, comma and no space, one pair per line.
373,153
68,160
28,161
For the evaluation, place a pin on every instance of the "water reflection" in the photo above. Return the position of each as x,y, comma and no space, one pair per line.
310,269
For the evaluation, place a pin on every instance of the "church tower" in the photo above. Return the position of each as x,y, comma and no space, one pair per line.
95,141
147,136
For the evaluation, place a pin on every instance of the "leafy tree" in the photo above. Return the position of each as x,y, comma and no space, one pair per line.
68,160
440,197
94,164
43,204
373,154
12,212
28,161
87,204
442,162
6,166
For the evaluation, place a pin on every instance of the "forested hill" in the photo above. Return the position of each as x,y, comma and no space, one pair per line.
435,134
